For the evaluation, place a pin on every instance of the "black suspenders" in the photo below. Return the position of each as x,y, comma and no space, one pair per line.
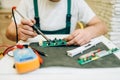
68,16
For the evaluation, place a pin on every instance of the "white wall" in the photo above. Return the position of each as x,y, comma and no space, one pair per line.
9,3
109,12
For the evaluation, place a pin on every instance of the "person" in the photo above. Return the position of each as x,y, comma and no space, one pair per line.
52,15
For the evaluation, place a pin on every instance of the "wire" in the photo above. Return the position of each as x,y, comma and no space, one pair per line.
34,26
8,49
15,25
40,52
11,55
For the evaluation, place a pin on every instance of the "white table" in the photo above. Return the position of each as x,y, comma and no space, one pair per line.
7,72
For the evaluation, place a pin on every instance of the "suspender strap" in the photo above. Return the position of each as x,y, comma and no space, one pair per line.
69,7
36,13
68,17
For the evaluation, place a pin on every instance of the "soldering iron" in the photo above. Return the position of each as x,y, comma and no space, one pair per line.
34,26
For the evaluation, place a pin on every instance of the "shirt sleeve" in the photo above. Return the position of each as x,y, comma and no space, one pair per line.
85,12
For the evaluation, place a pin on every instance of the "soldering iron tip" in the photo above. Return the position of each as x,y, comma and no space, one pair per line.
14,7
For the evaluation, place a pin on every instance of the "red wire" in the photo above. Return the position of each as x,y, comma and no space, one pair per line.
10,48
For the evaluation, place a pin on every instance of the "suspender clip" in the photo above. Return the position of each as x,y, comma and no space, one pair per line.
37,22
68,18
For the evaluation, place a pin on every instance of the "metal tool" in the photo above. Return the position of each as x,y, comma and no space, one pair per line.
34,26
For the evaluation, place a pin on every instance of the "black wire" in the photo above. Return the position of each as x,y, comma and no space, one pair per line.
40,52
15,25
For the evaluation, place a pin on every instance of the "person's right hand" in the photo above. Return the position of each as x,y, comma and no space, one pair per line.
25,30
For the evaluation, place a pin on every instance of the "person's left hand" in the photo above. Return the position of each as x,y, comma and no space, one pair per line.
79,37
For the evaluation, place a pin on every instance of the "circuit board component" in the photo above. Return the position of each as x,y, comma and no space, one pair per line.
94,55
54,43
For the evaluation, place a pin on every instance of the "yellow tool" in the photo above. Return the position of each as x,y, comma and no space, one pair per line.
80,25
26,59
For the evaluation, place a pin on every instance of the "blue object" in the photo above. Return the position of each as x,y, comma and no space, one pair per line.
25,54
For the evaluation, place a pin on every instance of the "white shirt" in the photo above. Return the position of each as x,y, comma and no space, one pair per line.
53,14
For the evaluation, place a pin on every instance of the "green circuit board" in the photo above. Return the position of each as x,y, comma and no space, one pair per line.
94,55
54,43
